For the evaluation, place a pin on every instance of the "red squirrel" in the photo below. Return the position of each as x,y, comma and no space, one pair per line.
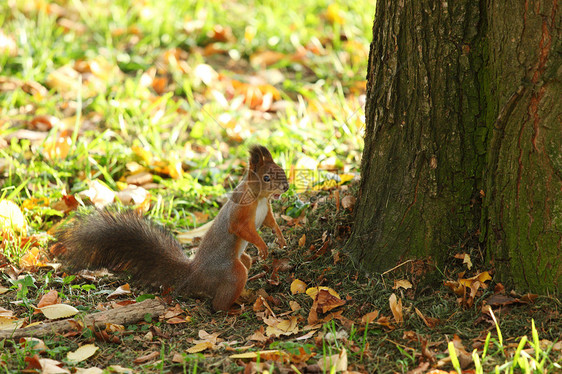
125,241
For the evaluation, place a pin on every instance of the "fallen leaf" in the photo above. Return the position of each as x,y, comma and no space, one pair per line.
264,59
396,308
326,301
11,217
404,283
83,353
348,202
279,327
8,45
273,355
10,323
334,363
59,311
313,291
146,358
465,257
98,193
120,291
49,366
199,232
258,335
302,240
465,358
34,343
429,322
200,347
50,298
298,286
133,195
370,317
334,14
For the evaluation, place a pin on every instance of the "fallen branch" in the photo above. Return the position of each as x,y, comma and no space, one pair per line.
121,316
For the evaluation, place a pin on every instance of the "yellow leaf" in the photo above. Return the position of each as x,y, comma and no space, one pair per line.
298,286
346,178
11,217
283,327
143,153
404,283
10,323
313,291
200,347
82,353
333,14
253,355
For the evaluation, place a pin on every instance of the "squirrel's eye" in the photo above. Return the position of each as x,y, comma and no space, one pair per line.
266,178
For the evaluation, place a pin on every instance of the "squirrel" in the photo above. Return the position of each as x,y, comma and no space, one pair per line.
125,241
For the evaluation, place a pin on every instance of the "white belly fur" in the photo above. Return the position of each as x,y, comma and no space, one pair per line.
261,212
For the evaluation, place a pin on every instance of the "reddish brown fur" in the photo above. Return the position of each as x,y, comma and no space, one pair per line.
219,269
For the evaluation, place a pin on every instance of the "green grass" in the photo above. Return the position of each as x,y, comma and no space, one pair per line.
109,114
114,110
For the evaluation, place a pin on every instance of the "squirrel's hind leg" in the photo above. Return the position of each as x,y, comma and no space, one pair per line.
230,287
246,260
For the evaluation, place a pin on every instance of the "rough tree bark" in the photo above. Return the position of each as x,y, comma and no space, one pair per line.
464,137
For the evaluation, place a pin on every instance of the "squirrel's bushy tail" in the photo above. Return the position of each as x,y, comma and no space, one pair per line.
123,241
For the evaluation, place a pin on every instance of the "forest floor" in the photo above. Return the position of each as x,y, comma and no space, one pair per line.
153,104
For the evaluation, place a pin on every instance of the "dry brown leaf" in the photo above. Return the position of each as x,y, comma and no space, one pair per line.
178,320
34,344
465,257
264,59
348,202
258,335
396,308
302,240
429,322
50,298
325,301
465,358
404,283
146,358
370,317
120,291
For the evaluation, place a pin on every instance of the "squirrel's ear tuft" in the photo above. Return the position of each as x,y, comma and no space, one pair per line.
258,153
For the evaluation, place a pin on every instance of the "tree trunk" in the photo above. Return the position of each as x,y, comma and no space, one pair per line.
464,137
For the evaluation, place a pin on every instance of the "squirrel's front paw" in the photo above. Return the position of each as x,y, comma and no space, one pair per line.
263,252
